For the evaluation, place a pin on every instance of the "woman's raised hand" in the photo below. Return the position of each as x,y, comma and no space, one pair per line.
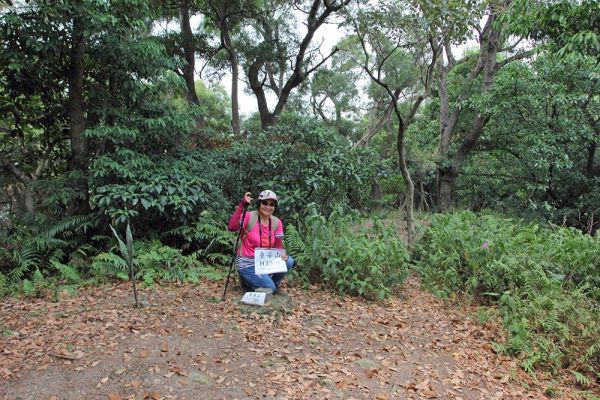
247,198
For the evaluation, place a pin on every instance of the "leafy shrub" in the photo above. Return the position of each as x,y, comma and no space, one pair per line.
208,239
349,254
154,262
170,190
44,247
544,280
307,162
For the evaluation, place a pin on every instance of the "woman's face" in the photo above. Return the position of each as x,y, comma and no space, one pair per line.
266,208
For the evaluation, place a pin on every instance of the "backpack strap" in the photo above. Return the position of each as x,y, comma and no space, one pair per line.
274,223
251,223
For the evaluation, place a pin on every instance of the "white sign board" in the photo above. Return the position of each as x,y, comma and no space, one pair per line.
254,298
268,261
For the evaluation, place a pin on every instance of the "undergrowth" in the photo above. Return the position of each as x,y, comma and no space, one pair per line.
545,281
348,254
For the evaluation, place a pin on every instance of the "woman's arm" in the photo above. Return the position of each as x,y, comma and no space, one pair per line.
235,219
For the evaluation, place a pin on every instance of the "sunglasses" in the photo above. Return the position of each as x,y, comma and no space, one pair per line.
268,203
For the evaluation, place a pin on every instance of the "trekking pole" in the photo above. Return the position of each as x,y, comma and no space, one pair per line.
235,250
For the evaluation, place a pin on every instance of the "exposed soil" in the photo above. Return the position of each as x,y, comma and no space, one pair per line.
185,344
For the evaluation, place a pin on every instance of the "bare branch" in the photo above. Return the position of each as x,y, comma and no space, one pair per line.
512,46
519,56
310,71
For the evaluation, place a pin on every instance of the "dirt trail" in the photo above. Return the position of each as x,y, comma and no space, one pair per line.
184,345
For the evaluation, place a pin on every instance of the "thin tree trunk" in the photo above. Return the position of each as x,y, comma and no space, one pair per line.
376,193
187,40
299,70
410,186
79,144
422,195
364,141
233,60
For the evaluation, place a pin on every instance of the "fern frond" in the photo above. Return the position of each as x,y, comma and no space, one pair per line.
293,242
43,243
25,260
67,272
109,264
38,278
580,378
75,223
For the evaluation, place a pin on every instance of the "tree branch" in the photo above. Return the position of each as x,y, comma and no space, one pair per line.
518,56
310,71
13,169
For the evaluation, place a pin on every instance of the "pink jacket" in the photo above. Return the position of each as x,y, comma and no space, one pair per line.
252,239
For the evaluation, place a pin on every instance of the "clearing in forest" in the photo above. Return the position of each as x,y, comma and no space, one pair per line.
185,344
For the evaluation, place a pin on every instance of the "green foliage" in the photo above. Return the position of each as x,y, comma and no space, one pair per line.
568,27
132,185
44,247
537,155
208,238
303,161
154,262
67,272
544,280
349,254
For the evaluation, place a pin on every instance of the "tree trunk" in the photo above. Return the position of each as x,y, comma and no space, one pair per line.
410,186
29,202
79,144
385,117
447,182
27,181
376,193
187,40
266,118
233,60
449,168
299,71
423,200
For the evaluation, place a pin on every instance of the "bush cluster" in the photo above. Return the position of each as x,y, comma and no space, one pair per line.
349,254
546,281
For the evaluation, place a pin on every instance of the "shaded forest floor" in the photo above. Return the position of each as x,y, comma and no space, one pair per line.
185,344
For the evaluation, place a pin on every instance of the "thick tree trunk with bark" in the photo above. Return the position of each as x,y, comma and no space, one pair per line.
27,181
187,40
189,52
449,169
